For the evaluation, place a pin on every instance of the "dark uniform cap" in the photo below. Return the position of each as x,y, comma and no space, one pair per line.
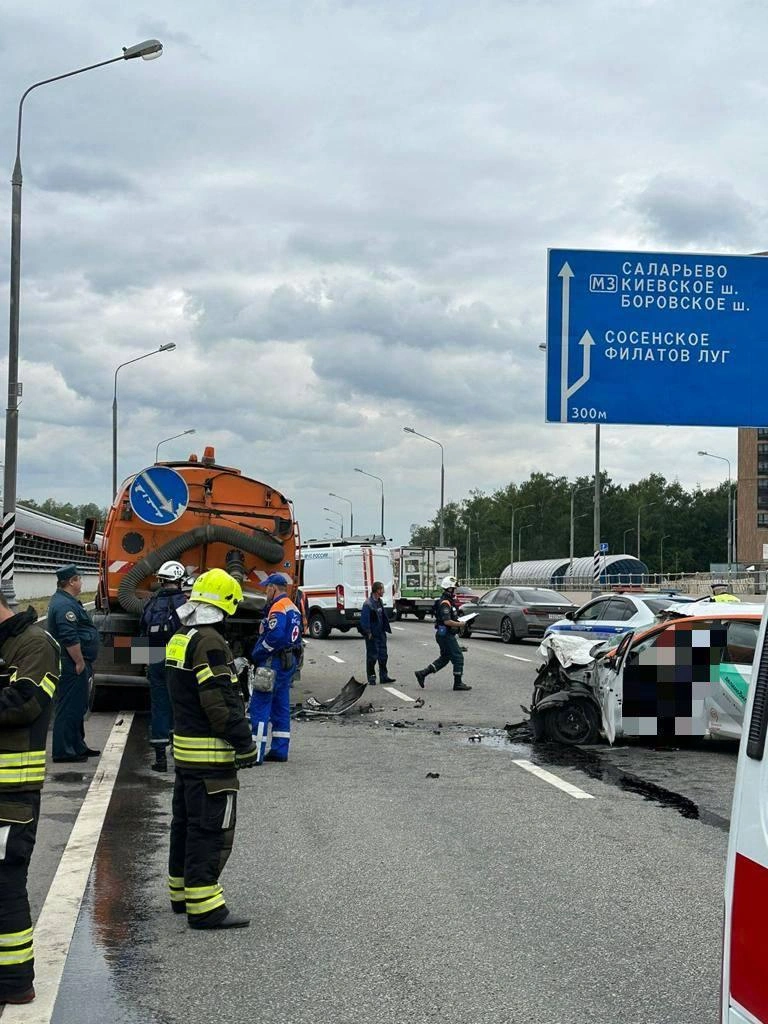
66,572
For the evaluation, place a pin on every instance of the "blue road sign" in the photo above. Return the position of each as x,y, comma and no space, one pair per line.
666,338
158,495
603,548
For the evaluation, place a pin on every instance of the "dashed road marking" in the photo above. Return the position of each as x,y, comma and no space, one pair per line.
553,780
400,694
517,657
334,658
56,923
401,628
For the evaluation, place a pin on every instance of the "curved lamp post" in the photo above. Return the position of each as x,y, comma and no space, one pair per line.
382,493
173,438
410,430
351,518
731,517
169,347
147,50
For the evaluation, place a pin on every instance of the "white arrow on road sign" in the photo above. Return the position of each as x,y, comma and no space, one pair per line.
587,341
565,274
164,502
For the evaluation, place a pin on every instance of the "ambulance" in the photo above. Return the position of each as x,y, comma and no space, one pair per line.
745,938
337,577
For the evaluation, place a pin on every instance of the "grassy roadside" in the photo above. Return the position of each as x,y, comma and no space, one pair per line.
40,604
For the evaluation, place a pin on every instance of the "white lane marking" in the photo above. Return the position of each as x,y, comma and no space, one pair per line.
517,657
334,658
401,628
56,924
400,694
553,780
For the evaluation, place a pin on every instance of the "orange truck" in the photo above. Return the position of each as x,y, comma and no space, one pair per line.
227,520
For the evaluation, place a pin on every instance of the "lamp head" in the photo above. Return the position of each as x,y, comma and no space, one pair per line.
150,49
190,431
168,347
409,430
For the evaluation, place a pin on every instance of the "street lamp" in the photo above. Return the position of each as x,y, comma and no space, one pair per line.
169,347
624,538
640,507
722,458
382,493
351,519
525,526
512,538
340,523
661,554
166,439
149,49
410,430
334,523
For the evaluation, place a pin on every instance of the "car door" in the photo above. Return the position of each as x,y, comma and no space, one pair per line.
743,987
585,620
484,616
729,691
501,607
609,673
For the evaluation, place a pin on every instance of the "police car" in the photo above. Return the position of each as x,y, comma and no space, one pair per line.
609,615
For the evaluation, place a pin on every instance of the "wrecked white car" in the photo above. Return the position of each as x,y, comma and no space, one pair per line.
685,677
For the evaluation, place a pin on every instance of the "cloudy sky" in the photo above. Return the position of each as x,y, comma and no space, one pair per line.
339,211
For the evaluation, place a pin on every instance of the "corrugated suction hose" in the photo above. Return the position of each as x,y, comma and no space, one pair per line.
261,544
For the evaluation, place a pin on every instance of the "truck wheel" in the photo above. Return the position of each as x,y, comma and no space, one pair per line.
421,615
573,723
398,614
507,631
318,627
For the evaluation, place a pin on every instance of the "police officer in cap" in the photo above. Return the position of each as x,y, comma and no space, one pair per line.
71,625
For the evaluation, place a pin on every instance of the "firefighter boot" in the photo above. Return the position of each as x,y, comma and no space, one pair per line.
161,759
384,673
370,672
459,685
422,674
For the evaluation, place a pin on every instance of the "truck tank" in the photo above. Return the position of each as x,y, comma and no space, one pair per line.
232,522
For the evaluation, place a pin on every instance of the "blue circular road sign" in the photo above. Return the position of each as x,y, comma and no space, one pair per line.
159,495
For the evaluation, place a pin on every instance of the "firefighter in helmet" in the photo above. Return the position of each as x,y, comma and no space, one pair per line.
212,739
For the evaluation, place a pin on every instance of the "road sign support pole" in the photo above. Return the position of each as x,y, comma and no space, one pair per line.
596,545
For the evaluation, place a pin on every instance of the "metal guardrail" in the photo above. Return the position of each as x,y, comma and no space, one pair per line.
685,583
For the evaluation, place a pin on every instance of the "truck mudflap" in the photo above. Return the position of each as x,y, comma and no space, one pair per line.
338,705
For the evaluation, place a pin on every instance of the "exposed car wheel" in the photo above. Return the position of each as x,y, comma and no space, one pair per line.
421,615
574,723
507,631
318,627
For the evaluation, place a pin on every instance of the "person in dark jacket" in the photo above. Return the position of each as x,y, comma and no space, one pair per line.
447,627
73,629
159,621
28,677
211,740
374,625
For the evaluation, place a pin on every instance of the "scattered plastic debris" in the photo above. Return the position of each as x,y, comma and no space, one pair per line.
433,775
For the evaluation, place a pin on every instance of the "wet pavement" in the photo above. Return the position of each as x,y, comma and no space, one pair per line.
402,868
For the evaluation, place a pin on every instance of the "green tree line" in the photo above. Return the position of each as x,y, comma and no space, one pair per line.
65,510
692,523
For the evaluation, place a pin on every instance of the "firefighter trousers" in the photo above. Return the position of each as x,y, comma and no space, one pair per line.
19,813
202,832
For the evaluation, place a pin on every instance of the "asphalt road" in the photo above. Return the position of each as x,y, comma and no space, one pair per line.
378,894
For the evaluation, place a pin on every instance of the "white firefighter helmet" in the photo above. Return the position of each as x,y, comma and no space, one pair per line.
173,571
449,581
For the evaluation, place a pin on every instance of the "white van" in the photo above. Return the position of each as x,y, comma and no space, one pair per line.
744,988
336,580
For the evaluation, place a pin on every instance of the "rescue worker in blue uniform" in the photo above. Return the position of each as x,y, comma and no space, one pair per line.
278,648
374,625
29,672
447,627
72,627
